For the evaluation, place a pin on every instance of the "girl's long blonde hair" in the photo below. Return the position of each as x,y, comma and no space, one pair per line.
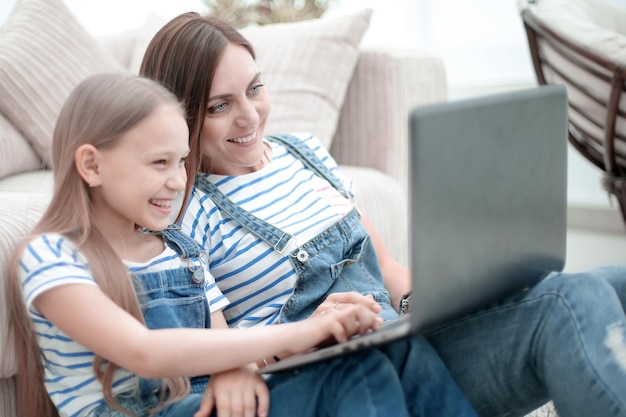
98,112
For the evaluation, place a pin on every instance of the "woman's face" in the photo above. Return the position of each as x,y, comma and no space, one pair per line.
232,132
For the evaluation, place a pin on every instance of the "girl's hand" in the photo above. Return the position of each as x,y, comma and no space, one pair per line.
237,393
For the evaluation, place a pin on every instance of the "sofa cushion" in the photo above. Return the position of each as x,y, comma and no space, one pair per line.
44,54
17,154
19,212
307,67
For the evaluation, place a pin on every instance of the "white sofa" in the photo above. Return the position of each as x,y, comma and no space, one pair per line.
355,99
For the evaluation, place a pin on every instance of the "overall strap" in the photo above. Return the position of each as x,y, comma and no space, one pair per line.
182,244
269,234
305,154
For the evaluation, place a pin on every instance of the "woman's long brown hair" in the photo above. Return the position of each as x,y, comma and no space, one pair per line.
183,56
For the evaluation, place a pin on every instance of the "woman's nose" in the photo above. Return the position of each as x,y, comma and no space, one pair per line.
248,115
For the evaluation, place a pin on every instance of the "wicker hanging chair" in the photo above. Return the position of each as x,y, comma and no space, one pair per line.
595,83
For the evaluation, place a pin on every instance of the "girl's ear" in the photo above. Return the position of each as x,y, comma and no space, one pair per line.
86,160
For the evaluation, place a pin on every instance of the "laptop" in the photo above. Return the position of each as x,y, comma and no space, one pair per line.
488,209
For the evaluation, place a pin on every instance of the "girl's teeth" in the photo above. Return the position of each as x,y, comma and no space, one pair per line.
162,203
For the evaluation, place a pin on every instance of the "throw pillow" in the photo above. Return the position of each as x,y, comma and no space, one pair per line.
307,67
15,152
44,54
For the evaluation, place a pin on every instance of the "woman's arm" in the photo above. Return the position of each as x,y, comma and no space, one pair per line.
88,316
396,277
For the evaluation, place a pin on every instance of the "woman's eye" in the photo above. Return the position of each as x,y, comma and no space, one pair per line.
217,109
255,89
161,162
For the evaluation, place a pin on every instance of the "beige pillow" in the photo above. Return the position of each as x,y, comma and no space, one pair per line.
306,66
44,54
15,152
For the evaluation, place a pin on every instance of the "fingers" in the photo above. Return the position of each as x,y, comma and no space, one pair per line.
238,393
263,400
207,404
342,299
349,320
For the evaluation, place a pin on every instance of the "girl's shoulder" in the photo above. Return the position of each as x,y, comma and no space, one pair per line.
50,245
48,261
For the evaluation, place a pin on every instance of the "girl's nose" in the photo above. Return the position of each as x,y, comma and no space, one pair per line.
178,179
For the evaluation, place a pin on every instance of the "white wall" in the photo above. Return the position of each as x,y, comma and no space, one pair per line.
482,43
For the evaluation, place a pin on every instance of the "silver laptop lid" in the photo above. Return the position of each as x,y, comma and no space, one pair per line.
488,199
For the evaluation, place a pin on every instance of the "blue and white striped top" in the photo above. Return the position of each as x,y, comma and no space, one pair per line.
50,261
284,193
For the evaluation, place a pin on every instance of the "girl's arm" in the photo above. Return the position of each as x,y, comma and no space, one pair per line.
88,316
396,277
240,391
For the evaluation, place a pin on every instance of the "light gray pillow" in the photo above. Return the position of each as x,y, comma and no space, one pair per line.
44,54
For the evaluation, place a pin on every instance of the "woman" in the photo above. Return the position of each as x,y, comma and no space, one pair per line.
286,242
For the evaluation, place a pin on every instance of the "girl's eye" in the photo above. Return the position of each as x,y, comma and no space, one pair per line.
161,162
217,109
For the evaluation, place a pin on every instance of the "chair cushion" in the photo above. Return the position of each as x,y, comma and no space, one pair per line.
599,25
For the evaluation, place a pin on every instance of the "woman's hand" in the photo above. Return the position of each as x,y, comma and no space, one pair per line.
237,393
342,316
342,299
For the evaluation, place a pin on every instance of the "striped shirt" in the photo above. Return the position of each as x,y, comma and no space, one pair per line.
50,261
284,193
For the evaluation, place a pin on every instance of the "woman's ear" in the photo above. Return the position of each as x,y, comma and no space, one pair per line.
86,160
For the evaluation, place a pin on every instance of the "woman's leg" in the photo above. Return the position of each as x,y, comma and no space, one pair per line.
428,386
363,384
614,275
561,340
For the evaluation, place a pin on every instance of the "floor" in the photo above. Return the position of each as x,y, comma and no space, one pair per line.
592,243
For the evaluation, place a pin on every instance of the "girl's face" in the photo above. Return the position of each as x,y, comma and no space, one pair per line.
232,132
141,175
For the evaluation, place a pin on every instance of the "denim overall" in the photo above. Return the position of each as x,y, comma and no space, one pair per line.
174,298
340,259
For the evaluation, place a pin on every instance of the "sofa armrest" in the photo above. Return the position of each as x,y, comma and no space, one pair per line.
373,126
379,196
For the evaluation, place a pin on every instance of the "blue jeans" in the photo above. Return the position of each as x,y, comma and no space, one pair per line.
361,385
562,340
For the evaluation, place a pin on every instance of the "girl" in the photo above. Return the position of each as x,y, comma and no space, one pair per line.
109,305
282,203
